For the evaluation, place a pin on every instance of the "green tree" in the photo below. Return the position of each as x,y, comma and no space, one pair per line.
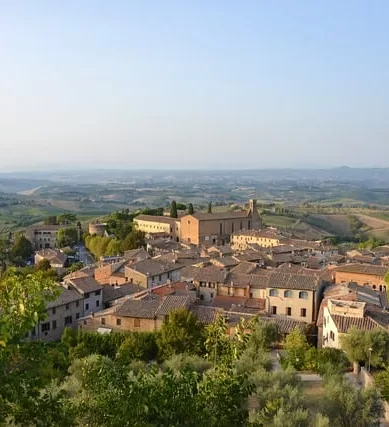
181,207
22,248
67,218
331,359
51,220
264,335
135,240
357,344
347,406
190,209
181,332
113,248
138,346
296,346
209,210
67,237
23,303
43,265
75,267
219,347
173,209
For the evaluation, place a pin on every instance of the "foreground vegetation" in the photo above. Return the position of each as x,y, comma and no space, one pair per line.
185,374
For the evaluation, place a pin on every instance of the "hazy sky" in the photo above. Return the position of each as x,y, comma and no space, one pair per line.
194,84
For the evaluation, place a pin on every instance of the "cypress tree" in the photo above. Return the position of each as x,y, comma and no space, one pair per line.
173,209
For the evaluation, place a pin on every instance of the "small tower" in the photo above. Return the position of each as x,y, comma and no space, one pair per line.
256,221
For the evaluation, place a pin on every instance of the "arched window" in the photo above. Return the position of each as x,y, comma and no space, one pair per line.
273,292
303,295
288,294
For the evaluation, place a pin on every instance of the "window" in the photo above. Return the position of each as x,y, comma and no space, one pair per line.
67,307
86,306
97,303
251,294
53,310
54,325
87,295
136,323
303,295
77,303
202,297
118,322
332,335
211,295
103,320
273,292
77,316
303,312
68,320
288,294
249,225
273,309
241,225
33,332
97,293
45,327
221,229
159,278
232,228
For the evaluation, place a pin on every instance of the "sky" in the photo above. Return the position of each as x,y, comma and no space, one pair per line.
203,84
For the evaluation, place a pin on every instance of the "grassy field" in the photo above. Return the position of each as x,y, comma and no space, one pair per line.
313,392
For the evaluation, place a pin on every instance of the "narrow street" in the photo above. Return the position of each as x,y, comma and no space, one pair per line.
85,256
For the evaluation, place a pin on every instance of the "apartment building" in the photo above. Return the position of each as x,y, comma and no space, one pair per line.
158,225
145,314
293,295
62,313
43,236
152,272
90,290
266,238
362,274
339,316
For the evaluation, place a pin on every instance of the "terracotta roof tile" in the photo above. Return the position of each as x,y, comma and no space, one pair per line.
375,270
170,303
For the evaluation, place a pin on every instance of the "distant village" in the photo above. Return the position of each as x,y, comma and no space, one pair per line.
222,263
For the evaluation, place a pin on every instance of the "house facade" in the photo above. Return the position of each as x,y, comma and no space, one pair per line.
153,224
267,238
144,314
43,236
151,272
339,316
91,291
293,295
61,313
362,274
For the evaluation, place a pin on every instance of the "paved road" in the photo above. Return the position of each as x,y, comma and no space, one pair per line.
85,256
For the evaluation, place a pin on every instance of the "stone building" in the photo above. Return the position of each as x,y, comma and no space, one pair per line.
207,229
